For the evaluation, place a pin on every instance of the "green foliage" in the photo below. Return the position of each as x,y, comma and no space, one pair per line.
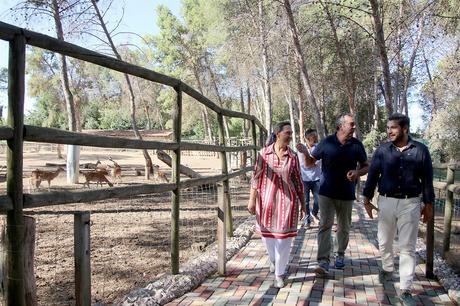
444,132
373,139
92,116
115,119
235,126
47,113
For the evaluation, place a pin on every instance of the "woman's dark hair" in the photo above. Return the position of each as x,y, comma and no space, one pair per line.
309,132
403,120
276,129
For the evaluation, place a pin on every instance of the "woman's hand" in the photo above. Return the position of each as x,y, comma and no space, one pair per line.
252,201
252,207
302,214
301,148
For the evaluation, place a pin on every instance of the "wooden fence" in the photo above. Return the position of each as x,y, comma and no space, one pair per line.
451,188
15,133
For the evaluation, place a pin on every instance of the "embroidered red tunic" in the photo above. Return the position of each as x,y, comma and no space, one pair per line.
280,189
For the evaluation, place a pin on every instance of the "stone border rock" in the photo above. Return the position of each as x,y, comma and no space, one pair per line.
446,276
193,273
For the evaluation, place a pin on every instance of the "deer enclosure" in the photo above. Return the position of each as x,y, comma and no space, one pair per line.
130,238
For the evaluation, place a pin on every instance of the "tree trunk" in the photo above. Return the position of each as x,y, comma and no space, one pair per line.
73,152
289,97
244,154
164,157
404,105
399,59
301,104
147,114
216,89
265,67
244,110
204,109
148,160
432,91
303,70
349,77
380,40
375,124
257,102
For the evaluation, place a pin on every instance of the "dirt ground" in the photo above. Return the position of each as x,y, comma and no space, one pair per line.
130,238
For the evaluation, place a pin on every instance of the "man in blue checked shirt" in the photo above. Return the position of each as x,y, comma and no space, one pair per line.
403,171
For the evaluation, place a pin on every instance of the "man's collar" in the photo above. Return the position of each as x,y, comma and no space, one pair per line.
338,141
410,143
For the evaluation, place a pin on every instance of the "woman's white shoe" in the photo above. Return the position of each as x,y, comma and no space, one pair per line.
279,283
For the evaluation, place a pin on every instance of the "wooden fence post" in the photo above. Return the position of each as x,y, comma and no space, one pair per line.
430,248
82,257
221,228
448,208
223,158
30,286
15,290
175,195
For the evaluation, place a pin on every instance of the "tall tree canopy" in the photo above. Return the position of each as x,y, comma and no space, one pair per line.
303,61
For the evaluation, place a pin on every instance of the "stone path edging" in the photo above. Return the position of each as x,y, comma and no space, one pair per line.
446,276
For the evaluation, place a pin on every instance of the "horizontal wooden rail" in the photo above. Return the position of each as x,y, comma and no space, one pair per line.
446,165
439,185
202,181
189,146
240,172
6,133
80,196
199,97
50,135
7,32
455,188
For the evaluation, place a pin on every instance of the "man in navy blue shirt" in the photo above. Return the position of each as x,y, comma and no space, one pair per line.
344,160
402,170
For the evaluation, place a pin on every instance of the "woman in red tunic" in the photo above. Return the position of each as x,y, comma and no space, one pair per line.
277,186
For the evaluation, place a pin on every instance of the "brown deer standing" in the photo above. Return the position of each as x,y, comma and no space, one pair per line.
42,175
95,176
158,175
91,165
116,171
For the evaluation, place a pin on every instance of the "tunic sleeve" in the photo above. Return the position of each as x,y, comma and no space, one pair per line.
297,180
256,180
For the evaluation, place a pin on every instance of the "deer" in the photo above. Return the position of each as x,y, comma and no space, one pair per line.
96,176
38,176
91,165
158,175
116,171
